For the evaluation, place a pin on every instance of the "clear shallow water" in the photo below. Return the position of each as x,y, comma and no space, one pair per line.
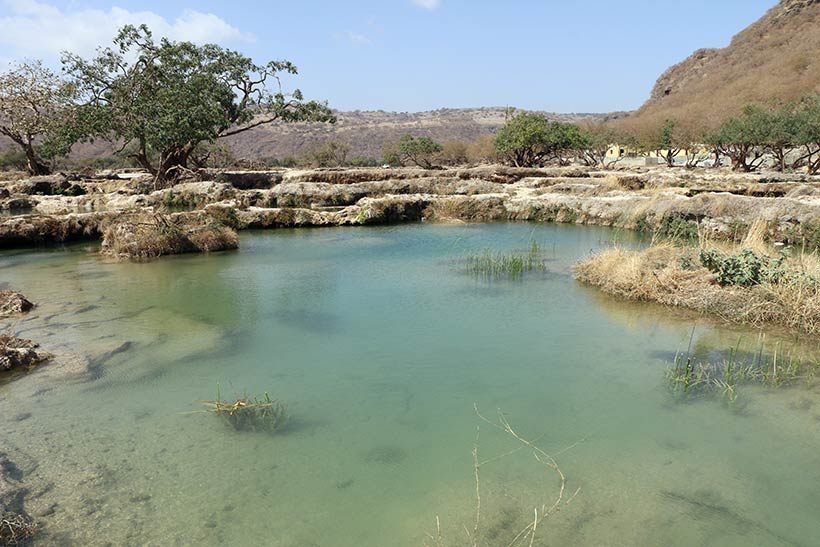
381,345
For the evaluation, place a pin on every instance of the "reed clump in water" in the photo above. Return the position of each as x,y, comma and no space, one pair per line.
688,379
250,413
16,530
490,265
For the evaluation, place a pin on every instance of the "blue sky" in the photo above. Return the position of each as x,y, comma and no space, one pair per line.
410,55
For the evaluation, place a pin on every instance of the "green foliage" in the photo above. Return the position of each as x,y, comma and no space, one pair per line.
361,161
35,107
747,269
688,378
677,228
168,97
597,139
528,140
12,160
489,265
420,150
250,413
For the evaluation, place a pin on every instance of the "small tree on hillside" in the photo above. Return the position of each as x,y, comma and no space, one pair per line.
168,97
35,104
419,150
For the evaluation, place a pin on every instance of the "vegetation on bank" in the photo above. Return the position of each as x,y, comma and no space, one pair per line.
144,236
747,282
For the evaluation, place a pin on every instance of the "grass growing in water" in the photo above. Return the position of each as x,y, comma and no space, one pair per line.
490,265
688,379
250,414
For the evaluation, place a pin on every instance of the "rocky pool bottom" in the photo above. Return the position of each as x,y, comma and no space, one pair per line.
381,343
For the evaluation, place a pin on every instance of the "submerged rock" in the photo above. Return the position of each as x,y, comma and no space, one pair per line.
13,302
18,353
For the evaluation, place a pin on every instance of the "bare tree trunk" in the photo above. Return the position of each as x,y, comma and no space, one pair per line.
33,163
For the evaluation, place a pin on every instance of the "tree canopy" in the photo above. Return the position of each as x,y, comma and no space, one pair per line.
165,98
529,139
419,150
35,106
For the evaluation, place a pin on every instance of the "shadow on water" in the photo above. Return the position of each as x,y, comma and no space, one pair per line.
315,322
708,504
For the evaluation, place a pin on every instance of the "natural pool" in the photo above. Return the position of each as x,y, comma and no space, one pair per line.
381,344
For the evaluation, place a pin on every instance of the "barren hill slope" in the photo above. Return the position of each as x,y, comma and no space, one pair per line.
776,58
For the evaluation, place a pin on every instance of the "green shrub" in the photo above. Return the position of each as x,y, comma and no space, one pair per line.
746,269
677,228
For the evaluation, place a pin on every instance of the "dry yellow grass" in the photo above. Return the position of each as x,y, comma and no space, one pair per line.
673,276
151,236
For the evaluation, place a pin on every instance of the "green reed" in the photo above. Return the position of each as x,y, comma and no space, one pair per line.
250,413
491,265
778,368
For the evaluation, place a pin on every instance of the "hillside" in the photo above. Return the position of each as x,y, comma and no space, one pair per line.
776,58
366,132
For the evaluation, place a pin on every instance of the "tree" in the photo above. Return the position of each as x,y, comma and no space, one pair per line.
419,150
34,106
528,140
524,140
667,145
564,141
743,139
454,153
391,154
597,139
167,97
781,133
328,154
482,149
807,133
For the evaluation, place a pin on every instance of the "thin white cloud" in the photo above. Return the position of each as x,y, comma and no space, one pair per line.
36,29
356,38
427,4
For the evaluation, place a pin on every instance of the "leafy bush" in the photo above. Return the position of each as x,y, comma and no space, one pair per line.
746,269
676,227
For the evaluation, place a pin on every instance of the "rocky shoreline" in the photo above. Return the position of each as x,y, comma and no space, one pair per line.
720,204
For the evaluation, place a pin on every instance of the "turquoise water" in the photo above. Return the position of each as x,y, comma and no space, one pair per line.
381,345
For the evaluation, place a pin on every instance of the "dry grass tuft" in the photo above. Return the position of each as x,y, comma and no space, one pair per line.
16,530
152,235
673,276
